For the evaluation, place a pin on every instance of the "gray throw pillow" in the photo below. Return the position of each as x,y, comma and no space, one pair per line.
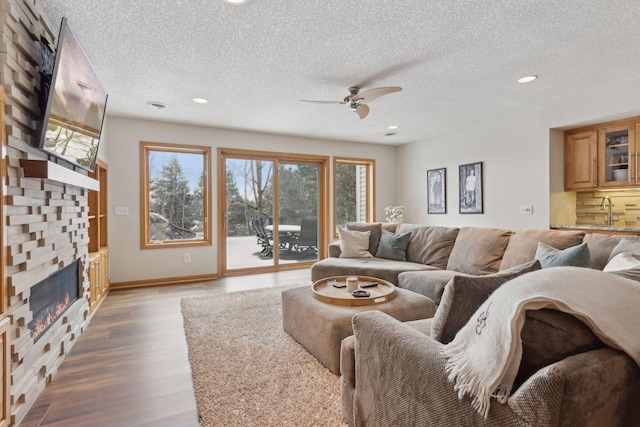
393,246
464,294
575,256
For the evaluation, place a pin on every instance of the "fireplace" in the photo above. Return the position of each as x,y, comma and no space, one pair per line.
51,298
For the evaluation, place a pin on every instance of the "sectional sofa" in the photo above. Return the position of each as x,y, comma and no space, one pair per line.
435,254
394,373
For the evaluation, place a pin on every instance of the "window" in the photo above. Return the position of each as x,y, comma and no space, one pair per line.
274,209
353,191
175,195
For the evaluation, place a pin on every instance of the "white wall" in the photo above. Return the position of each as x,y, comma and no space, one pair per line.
122,145
522,157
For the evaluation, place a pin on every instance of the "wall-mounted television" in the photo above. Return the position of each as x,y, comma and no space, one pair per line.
75,107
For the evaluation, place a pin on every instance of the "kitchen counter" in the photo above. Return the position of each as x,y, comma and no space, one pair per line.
598,228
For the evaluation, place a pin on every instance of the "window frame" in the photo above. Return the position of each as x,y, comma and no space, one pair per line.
323,163
145,149
370,165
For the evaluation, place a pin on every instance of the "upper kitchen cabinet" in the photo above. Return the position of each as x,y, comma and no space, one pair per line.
581,160
618,157
602,156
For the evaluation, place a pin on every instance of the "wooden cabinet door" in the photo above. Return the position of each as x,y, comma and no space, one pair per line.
94,280
104,271
581,160
616,157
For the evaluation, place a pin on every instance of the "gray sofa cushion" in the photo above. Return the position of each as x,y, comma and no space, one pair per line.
600,247
374,238
429,283
524,243
478,250
380,268
429,245
628,244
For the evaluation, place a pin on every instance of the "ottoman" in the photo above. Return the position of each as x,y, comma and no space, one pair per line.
320,327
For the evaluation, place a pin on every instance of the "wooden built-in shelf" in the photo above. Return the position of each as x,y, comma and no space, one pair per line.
53,171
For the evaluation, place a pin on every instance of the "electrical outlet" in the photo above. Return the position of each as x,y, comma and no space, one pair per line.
187,257
568,209
526,209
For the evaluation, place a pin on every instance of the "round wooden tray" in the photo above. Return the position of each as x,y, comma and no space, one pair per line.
323,290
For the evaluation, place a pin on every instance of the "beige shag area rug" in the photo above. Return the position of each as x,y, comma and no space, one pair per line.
247,371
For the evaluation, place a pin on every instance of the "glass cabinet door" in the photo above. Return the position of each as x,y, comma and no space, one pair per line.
617,161
617,156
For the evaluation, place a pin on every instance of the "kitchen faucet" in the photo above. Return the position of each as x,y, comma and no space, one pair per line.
610,217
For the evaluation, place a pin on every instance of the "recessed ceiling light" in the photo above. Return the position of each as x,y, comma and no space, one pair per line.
199,100
392,127
527,79
236,1
157,105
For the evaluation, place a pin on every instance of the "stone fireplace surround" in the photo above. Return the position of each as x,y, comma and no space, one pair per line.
46,224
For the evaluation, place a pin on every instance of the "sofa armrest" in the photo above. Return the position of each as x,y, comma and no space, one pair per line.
334,249
347,360
401,379
598,387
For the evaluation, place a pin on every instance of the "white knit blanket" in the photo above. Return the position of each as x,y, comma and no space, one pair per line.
484,357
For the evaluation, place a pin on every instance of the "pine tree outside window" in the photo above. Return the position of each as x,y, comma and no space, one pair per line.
175,195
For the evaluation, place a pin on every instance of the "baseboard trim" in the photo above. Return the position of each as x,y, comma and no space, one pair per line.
164,281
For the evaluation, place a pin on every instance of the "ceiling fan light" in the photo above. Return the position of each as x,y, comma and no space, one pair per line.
527,79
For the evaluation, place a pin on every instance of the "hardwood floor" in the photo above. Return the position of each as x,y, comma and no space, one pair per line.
130,366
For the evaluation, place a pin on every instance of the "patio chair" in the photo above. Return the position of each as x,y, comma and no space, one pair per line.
263,237
308,237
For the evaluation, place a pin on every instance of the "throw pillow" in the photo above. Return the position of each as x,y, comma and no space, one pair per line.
393,246
548,336
628,245
464,294
575,256
623,261
374,227
354,244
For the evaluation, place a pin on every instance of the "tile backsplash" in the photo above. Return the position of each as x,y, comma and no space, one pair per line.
626,207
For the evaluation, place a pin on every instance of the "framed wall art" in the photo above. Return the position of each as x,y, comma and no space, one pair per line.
470,183
437,191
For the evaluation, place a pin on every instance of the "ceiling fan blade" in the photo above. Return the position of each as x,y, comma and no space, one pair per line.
323,102
371,94
362,110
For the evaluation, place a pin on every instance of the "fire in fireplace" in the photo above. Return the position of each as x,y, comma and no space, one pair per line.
50,298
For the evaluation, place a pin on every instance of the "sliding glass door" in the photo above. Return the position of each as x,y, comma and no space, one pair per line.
271,204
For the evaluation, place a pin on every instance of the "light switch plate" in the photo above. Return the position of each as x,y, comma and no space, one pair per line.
526,209
122,211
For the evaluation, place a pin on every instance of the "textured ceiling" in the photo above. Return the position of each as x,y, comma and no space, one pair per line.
457,61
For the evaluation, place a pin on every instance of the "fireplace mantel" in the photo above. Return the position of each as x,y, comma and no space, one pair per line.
53,171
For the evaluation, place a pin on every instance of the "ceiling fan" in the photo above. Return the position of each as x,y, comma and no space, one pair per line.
358,100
